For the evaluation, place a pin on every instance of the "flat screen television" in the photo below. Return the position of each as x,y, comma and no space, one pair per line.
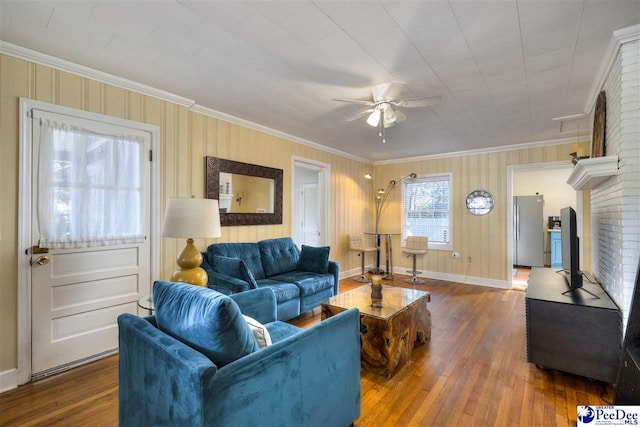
570,248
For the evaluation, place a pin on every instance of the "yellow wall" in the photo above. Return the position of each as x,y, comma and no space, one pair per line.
483,238
186,137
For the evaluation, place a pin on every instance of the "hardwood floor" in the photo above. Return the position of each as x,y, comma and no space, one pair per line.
473,372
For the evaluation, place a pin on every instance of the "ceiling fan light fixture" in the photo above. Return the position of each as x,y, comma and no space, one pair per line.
389,116
374,119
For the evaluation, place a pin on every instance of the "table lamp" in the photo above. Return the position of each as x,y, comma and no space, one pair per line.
191,218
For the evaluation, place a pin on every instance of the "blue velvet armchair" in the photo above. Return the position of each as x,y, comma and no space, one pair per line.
307,377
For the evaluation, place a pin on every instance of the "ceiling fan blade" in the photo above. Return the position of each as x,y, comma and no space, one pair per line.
422,102
355,101
360,114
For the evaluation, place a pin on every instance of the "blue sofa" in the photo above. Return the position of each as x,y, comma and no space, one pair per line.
299,279
168,377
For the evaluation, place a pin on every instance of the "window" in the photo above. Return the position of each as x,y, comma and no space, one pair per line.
90,186
426,209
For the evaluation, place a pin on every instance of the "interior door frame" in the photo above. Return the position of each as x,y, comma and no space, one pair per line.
511,170
324,175
25,214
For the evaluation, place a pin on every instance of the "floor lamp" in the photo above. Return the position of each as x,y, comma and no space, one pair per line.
382,194
381,199
191,218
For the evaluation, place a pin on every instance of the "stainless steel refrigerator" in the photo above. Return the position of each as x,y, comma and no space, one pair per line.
528,231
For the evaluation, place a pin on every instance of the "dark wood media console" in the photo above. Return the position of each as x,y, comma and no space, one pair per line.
574,332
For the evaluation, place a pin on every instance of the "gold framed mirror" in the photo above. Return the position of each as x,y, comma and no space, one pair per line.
247,194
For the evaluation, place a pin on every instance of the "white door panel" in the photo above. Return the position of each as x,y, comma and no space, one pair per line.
73,338
95,292
74,326
93,261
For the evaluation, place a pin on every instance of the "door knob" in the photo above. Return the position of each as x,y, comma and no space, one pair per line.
42,260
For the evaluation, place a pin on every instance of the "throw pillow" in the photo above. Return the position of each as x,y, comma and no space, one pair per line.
234,267
314,259
260,331
204,320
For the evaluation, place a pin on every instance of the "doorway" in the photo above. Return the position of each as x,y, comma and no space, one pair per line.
88,221
550,181
310,202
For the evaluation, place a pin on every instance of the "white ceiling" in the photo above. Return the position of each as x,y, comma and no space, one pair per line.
504,68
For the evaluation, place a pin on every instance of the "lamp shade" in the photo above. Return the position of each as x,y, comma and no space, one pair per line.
374,118
191,218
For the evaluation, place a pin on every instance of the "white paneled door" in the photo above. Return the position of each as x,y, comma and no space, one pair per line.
77,290
310,215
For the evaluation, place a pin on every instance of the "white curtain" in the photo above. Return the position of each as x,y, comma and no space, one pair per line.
89,187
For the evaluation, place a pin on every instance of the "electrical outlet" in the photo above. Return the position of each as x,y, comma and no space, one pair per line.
469,260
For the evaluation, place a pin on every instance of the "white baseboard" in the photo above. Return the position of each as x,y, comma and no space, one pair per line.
480,281
8,380
354,272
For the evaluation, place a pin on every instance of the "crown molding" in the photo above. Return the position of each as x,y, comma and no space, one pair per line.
535,144
80,70
618,38
274,132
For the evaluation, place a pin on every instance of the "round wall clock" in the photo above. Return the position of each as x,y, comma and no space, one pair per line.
479,202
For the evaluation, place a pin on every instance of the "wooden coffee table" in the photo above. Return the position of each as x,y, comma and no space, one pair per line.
388,333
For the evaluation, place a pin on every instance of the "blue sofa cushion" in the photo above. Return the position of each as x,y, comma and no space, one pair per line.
314,259
278,255
283,291
308,283
249,252
234,267
281,330
203,319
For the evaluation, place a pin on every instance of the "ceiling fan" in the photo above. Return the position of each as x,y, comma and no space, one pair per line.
383,111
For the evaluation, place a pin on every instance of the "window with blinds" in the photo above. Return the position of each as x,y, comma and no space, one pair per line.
426,209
